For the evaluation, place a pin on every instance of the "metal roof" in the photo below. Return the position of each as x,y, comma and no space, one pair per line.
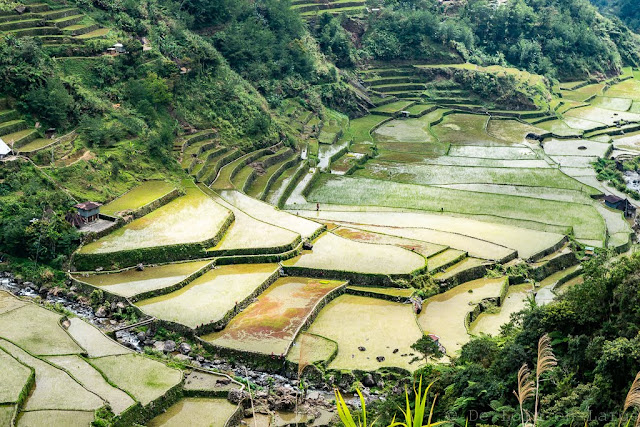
4,148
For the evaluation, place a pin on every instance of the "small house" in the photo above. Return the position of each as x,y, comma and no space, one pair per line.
89,211
4,149
589,250
119,47
405,114
624,205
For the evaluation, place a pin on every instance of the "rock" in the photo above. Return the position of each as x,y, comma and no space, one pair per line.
66,323
120,305
158,346
361,348
395,350
307,245
182,358
380,359
380,384
140,267
113,322
236,396
141,336
184,348
99,268
73,289
169,346
101,311
223,381
368,381
200,359
149,343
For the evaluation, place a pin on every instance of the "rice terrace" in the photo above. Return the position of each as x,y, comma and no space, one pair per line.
292,213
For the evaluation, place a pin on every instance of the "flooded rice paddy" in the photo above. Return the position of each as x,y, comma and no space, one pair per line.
271,323
209,297
196,412
378,326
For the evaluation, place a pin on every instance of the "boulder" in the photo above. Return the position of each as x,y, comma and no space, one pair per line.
361,348
184,348
169,346
236,396
182,358
140,267
368,381
380,359
158,346
101,312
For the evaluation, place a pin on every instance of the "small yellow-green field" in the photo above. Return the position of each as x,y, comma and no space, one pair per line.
208,298
196,412
137,197
491,322
191,218
309,348
444,314
332,252
133,282
378,326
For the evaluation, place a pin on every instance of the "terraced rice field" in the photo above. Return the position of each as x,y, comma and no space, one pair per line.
444,314
211,296
334,253
247,233
166,225
440,229
511,130
271,215
309,348
378,326
132,282
491,322
138,197
517,211
196,412
463,129
143,378
425,249
270,324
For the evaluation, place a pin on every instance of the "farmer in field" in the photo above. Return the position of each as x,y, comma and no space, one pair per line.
317,207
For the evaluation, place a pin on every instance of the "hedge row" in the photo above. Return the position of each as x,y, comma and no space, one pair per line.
356,278
254,251
174,287
377,295
259,259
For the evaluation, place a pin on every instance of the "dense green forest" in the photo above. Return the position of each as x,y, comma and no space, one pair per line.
627,10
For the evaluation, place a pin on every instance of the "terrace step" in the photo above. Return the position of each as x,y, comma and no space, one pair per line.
57,39
36,31
38,7
80,29
7,115
12,126
23,17
463,271
20,138
445,259
94,34
67,21
56,14
16,25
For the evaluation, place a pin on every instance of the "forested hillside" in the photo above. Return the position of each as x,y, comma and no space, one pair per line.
626,10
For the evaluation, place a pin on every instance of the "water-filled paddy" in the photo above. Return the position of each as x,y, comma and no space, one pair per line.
444,314
488,152
37,331
133,282
446,174
585,220
331,252
138,197
270,324
247,232
55,418
491,322
196,412
309,348
378,326
94,381
269,214
14,378
191,218
409,130
209,297
54,389
475,237
92,340
145,379
577,147
511,130
466,129
425,249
